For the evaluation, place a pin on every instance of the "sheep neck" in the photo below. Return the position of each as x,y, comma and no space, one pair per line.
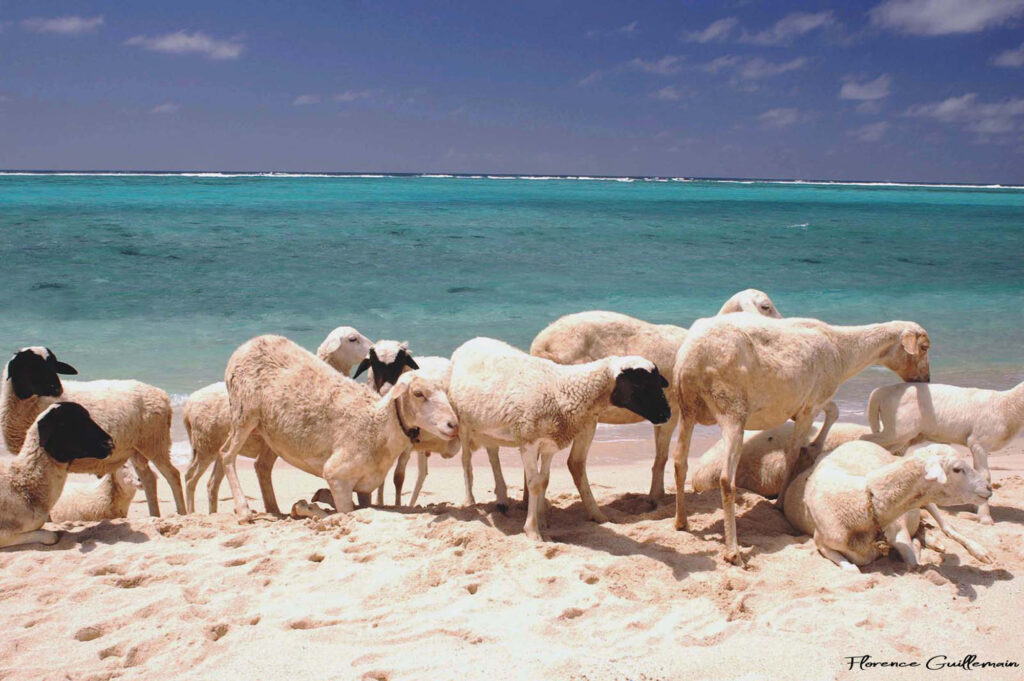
895,489
412,433
17,415
337,365
39,478
862,346
582,387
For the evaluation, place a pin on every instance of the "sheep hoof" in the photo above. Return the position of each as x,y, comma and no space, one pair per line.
246,517
533,534
681,524
735,558
599,518
51,538
986,520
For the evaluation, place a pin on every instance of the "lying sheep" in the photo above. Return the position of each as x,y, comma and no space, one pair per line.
589,336
137,416
31,482
207,420
984,421
322,422
763,459
507,398
107,499
860,496
745,371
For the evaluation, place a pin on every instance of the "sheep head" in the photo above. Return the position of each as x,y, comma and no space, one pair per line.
640,388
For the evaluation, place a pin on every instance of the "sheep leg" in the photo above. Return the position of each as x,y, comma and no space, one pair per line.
981,465
546,454
342,490
399,476
931,540
196,467
831,411
45,537
904,544
148,480
264,468
173,478
732,435
973,548
213,485
679,464
500,489
531,454
662,440
836,557
467,474
578,468
229,452
421,475
801,426
363,499
380,494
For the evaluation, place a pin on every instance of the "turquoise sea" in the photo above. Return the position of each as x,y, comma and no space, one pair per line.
160,277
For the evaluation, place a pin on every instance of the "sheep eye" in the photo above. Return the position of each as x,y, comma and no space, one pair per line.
958,468
352,339
417,393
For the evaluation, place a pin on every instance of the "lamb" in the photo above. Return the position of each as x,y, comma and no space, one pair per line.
505,397
31,482
322,422
747,371
137,416
763,459
107,499
589,336
208,420
860,496
982,420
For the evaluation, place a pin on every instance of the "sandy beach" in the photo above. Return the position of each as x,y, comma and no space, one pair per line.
442,591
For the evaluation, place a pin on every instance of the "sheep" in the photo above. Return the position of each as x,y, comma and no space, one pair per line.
31,482
505,397
386,361
747,371
982,420
207,420
588,336
109,498
763,459
860,496
137,416
322,422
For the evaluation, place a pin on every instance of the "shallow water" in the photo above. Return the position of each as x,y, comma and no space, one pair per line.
160,277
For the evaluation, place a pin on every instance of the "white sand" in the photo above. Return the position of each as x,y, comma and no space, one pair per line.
445,592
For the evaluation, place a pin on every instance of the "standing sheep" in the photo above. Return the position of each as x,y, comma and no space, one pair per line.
860,496
137,416
589,336
984,421
322,422
31,482
507,398
752,372
207,420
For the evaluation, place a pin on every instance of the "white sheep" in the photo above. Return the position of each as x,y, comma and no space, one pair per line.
137,416
507,398
109,498
322,422
207,420
984,421
763,459
860,496
745,371
31,482
589,336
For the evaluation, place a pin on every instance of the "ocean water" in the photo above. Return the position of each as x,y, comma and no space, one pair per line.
161,277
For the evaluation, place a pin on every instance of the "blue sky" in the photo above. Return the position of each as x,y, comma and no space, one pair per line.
926,90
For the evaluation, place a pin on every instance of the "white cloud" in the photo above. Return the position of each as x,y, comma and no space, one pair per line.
873,132
758,67
629,31
670,93
721,63
182,42
943,17
879,88
1010,59
72,25
789,27
352,95
166,108
591,78
716,31
666,66
303,100
979,117
779,118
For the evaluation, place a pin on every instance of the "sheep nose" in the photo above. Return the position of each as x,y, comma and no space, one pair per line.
453,427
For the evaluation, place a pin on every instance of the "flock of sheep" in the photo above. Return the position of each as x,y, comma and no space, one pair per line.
745,369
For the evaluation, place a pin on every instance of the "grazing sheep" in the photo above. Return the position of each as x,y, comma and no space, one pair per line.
322,422
137,416
589,336
982,420
208,421
107,499
860,496
507,398
747,371
31,482
763,459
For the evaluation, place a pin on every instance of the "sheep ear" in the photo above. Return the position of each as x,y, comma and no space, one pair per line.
662,381
933,470
410,362
363,366
332,346
398,389
909,341
65,368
